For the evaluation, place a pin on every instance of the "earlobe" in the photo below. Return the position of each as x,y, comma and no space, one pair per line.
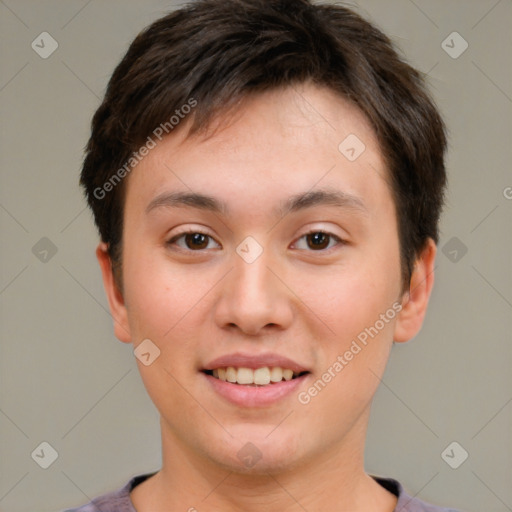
114,295
415,299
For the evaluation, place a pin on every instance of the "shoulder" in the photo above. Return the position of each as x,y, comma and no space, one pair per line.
407,503
116,501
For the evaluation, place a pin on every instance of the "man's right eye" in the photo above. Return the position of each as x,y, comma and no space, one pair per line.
191,240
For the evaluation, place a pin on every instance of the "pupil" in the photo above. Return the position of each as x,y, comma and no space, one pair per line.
197,240
319,240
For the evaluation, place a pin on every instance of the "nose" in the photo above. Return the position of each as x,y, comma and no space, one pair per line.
253,298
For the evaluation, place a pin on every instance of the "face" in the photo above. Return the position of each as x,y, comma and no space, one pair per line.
288,269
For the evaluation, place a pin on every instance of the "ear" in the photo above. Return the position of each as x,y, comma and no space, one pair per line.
114,295
415,300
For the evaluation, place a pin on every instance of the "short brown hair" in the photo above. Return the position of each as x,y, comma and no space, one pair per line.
220,51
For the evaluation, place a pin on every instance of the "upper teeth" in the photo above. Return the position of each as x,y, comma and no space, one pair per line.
260,376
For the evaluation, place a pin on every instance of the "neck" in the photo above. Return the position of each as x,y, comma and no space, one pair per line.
193,482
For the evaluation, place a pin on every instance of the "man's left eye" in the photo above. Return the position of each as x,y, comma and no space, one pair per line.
319,240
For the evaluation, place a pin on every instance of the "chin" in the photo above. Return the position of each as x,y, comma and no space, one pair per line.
262,465
256,452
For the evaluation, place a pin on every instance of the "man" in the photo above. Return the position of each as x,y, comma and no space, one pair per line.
267,178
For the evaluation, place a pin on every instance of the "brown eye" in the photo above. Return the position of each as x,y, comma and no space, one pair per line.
318,240
196,240
192,241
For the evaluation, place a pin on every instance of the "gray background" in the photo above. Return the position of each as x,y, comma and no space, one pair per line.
66,380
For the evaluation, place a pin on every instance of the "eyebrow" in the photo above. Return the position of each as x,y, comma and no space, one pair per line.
297,202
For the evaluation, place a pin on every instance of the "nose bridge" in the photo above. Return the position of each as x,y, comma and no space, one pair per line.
253,280
253,297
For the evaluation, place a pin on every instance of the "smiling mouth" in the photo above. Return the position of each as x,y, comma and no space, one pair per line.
264,376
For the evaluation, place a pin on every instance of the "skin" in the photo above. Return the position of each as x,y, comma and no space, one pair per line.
294,300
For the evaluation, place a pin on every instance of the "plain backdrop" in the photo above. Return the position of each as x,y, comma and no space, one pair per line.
65,379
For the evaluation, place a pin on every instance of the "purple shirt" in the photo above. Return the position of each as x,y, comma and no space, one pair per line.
119,501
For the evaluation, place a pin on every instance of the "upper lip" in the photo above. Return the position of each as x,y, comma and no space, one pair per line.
244,360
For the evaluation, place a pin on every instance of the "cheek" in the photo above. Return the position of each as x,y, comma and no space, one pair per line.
347,299
162,305
354,347
158,294
168,305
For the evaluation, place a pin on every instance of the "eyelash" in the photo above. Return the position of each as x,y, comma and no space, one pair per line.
339,240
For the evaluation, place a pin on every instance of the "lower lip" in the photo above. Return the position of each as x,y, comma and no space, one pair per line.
255,396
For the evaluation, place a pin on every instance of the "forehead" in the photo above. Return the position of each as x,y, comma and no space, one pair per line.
282,141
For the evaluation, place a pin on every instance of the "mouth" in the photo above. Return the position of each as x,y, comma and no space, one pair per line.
255,380
254,377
